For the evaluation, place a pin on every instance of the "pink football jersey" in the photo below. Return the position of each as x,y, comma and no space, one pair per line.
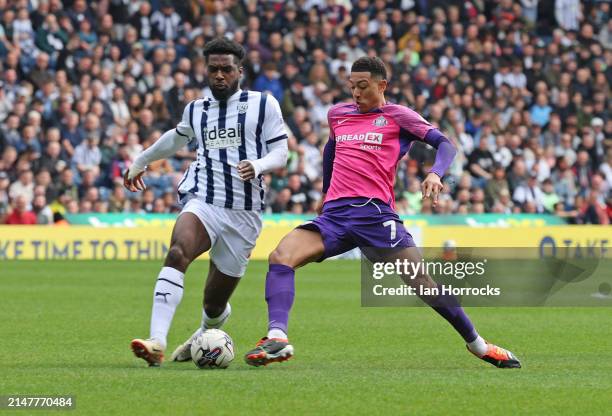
369,147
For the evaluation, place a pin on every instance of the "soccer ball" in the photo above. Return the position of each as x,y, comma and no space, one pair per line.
213,349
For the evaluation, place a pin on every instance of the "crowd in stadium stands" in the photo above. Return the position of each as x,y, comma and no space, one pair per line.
521,87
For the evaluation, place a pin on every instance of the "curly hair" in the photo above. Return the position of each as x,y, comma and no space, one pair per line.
224,46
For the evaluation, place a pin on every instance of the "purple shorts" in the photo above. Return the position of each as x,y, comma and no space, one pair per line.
347,223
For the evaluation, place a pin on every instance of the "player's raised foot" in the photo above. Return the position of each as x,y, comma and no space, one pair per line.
499,357
149,350
183,351
269,350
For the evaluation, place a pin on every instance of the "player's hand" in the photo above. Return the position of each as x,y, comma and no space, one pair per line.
132,179
431,187
246,170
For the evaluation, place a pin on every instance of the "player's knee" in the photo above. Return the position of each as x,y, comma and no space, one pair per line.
280,256
176,258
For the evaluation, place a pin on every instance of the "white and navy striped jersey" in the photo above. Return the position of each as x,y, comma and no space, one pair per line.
227,132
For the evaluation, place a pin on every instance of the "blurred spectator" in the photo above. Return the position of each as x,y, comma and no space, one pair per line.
117,201
582,169
23,187
413,196
67,186
593,211
568,13
300,200
166,21
10,131
141,21
496,185
43,213
281,203
312,158
269,81
43,181
148,199
481,161
87,155
530,192
4,197
20,214
540,112
550,198
50,38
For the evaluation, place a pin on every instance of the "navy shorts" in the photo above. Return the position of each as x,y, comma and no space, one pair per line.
359,222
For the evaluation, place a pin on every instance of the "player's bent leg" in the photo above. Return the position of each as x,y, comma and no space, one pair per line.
189,240
296,249
217,292
450,309
216,308
412,255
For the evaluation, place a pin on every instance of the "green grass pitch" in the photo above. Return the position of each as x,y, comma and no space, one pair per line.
65,329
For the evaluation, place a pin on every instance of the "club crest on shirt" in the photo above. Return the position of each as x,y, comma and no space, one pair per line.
242,108
380,122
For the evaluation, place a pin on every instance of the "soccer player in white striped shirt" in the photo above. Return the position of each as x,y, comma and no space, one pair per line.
240,135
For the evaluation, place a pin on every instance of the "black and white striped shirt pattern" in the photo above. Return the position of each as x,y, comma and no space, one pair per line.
227,132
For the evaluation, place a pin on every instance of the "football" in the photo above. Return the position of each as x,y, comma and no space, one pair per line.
213,349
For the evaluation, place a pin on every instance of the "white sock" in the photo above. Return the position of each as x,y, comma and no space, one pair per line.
478,346
277,333
217,322
166,297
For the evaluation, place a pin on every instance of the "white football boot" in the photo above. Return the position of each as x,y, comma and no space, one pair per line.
183,351
149,350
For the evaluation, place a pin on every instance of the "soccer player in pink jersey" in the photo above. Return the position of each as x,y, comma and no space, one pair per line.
367,140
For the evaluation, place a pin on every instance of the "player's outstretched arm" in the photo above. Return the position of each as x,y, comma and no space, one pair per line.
275,158
168,144
445,153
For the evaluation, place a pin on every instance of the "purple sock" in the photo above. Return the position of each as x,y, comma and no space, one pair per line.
448,306
280,291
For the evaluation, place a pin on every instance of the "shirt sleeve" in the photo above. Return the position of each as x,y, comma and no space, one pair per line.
412,123
274,125
445,151
185,126
329,153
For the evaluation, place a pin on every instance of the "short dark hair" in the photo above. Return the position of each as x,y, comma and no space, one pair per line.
374,65
224,46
